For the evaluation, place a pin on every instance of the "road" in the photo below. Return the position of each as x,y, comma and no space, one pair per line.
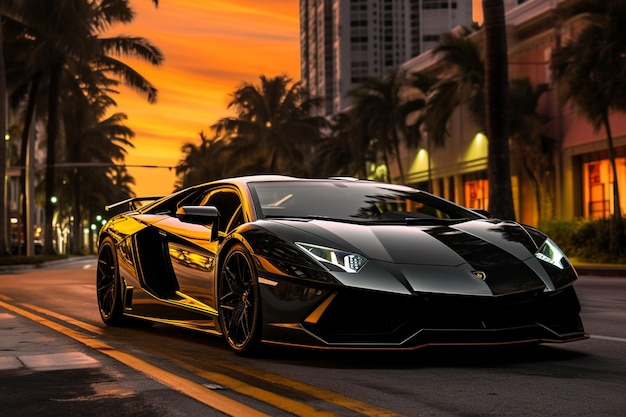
51,313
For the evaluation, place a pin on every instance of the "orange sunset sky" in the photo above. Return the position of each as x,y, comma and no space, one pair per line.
210,48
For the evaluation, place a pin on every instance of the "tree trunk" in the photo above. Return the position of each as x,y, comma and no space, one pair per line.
536,188
52,131
77,238
4,224
28,122
617,231
496,104
398,159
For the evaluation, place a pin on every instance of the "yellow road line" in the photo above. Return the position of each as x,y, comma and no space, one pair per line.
182,385
66,319
292,406
320,393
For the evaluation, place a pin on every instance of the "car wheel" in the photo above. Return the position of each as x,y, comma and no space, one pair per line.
108,285
239,301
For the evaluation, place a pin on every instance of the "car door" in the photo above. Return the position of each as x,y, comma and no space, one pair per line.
164,249
177,260
193,254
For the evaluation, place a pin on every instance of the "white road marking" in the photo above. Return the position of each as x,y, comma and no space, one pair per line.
58,361
44,362
9,362
613,339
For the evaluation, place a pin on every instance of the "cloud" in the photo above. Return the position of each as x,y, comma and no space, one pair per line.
210,48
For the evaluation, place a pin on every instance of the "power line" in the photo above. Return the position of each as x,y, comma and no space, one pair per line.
98,164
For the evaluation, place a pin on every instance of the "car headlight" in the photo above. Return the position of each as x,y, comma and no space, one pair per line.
346,261
549,252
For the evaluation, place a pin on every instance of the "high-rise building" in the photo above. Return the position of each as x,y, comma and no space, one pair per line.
344,41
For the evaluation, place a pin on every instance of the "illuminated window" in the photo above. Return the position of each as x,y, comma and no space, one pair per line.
477,194
598,187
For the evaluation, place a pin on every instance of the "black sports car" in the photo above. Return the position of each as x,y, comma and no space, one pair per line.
333,263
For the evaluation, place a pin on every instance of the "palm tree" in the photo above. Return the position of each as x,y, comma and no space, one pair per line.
496,106
462,82
422,84
336,154
589,71
92,143
187,167
204,162
69,50
379,107
274,122
9,47
24,87
4,239
533,149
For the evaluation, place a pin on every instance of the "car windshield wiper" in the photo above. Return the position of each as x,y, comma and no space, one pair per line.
432,220
312,217
282,216
407,220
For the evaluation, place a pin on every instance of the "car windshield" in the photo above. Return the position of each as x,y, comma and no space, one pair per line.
352,201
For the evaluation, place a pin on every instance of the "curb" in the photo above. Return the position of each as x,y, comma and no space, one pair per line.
7,269
600,270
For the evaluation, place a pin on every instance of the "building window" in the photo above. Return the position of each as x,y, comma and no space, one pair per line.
431,38
356,39
477,194
598,187
438,4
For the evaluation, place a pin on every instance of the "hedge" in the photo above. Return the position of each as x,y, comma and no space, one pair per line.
585,240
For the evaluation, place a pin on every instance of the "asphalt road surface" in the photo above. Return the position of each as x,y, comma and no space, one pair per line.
57,359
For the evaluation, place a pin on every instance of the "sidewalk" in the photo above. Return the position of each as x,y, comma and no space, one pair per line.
7,269
605,270
44,373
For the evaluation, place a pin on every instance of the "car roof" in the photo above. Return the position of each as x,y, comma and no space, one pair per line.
248,179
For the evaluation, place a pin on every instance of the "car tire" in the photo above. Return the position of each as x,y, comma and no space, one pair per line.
108,285
239,303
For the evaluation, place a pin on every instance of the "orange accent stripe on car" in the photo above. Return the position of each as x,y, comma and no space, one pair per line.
314,317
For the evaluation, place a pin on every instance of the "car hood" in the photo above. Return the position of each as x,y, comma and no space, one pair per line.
480,241
503,251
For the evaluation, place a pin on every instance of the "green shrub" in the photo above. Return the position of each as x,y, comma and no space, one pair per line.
584,240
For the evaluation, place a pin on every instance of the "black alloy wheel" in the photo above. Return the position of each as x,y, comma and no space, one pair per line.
108,285
239,302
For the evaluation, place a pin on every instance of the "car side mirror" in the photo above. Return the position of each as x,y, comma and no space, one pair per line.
202,215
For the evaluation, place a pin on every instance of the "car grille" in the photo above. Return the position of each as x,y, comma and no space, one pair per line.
364,317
